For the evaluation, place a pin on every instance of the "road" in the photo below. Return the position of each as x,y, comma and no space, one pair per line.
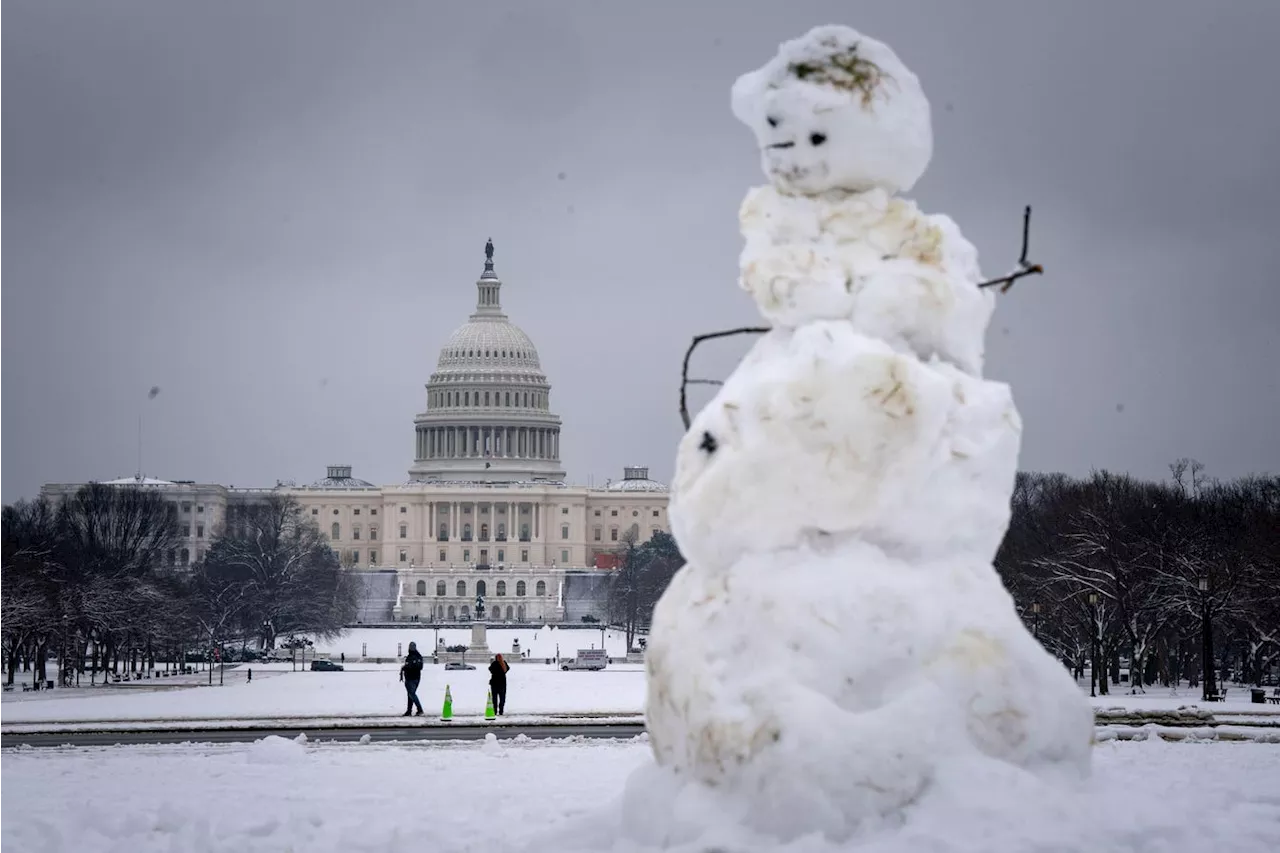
466,731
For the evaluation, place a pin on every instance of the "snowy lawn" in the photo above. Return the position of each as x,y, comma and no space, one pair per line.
277,795
540,642
362,690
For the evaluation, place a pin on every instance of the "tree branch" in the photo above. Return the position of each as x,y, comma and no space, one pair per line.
685,381
1025,268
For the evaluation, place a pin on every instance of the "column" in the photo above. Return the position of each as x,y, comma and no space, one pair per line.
431,522
542,444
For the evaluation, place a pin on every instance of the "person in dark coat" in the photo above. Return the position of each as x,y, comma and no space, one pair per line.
498,683
411,674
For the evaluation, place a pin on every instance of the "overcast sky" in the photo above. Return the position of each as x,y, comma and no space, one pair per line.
276,213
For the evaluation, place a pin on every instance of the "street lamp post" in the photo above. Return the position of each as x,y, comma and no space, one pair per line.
1035,619
1093,644
1208,691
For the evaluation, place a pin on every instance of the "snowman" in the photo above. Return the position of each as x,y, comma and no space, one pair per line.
839,645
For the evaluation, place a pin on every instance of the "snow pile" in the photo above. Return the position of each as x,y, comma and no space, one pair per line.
839,648
274,749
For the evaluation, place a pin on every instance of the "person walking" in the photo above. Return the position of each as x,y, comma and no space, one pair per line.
411,674
498,683
250,678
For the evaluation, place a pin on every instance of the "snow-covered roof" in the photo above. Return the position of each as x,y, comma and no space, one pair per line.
135,481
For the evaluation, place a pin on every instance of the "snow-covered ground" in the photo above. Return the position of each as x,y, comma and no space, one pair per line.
362,690
278,795
540,642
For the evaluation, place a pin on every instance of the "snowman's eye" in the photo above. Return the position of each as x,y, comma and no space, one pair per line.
709,443
817,138
773,122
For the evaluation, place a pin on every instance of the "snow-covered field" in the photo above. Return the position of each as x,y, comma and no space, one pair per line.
277,795
362,690
540,642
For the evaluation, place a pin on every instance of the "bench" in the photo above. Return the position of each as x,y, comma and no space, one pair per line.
26,688
8,688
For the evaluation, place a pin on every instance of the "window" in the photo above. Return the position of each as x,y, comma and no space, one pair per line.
466,611
595,534
404,531
355,511
481,588
484,557
199,531
440,589
453,614
355,557
655,513
502,533
613,534
502,588
404,556
373,558
564,531
613,512
186,507
355,531
335,530
520,589
524,533
373,532
315,512
188,531
564,556
444,557
403,510
502,555
200,508
541,588
508,398
509,613
635,512
597,513
466,533
335,512
462,589
422,587
524,555
484,533
444,533
186,557
466,555
564,510
486,398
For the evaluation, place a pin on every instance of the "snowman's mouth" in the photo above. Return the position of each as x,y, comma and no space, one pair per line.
782,145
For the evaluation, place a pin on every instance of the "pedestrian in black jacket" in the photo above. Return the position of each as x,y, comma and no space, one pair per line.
411,674
498,683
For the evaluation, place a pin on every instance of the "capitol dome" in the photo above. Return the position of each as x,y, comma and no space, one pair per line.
488,416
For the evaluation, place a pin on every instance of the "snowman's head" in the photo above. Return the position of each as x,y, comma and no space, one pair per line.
835,110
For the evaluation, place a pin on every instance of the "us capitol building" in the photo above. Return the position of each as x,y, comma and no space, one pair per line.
485,509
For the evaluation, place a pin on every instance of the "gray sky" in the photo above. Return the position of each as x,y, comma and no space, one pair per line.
276,213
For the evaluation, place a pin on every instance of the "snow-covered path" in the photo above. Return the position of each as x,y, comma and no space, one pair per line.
276,795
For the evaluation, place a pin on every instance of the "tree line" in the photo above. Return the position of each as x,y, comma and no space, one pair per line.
1114,570
90,581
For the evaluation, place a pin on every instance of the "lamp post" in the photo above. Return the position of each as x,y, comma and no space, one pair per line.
1093,644
62,659
1035,619
1209,692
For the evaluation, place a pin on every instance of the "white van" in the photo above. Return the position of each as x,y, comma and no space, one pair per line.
587,659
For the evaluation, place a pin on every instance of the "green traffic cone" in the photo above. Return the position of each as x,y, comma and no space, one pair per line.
446,714
488,707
